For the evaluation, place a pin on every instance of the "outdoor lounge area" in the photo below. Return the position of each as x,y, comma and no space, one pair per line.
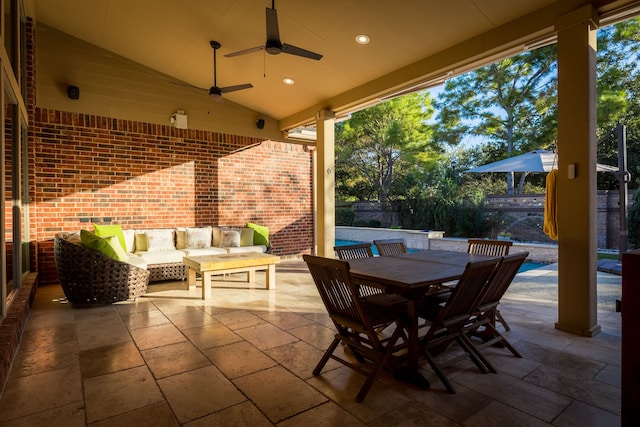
245,357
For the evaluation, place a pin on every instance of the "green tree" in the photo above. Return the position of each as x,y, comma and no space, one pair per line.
619,96
511,103
383,149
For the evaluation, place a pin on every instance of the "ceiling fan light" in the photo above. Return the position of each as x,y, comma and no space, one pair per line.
363,39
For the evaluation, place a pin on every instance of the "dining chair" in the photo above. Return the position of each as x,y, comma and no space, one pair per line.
446,323
491,248
355,321
483,323
355,251
373,294
388,247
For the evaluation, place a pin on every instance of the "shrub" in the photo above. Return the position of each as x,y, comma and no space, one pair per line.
633,221
375,223
344,216
360,223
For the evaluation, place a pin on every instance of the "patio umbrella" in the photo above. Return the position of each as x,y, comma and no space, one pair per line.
533,161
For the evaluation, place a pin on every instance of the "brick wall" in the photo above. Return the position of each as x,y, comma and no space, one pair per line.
143,175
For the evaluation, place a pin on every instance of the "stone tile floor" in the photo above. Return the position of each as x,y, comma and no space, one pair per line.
245,358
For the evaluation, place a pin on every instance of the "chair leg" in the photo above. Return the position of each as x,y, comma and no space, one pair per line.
434,366
325,357
373,374
500,319
478,358
500,338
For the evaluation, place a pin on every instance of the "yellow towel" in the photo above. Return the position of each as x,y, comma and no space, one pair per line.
551,207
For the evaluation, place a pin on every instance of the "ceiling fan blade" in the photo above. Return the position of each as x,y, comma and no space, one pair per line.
228,89
272,25
294,50
242,52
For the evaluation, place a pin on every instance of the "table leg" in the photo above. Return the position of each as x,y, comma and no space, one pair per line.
271,276
410,372
206,285
191,278
413,335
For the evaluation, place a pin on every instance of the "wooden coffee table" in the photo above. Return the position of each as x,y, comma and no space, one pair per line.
248,262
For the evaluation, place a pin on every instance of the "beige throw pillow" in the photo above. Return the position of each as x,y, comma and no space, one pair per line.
246,237
198,237
229,239
160,240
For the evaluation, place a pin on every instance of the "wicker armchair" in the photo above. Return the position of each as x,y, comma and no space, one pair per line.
88,277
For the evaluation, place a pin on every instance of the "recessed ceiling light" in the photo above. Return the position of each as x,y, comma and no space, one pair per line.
288,81
362,39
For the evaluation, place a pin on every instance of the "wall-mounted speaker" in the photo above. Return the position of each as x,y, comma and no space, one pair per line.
73,92
260,123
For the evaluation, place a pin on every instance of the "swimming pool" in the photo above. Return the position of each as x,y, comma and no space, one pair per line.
524,267
373,247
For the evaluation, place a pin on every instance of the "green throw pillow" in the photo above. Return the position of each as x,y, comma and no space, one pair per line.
260,234
111,230
109,246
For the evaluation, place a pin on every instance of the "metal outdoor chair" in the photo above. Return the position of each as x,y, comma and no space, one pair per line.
491,248
483,325
447,322
388,247
356,322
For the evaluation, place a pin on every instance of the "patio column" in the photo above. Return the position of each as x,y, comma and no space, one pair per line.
576,184
325,183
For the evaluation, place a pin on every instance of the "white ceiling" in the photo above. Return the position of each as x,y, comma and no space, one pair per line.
172,37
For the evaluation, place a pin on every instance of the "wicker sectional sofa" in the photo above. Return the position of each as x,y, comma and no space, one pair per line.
90,277
165,248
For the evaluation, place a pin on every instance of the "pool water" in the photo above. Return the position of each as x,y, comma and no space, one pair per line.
524,267
373,247
530,266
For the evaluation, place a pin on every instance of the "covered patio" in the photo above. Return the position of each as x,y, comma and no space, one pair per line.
91,90
246,357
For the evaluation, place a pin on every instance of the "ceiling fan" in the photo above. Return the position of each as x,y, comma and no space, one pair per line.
273,45
216,91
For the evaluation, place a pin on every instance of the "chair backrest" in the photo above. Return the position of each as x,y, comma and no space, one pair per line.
359,250
338,292
465,297
489,247
388,247
501,279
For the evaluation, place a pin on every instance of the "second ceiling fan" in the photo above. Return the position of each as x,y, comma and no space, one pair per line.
273,45
216,91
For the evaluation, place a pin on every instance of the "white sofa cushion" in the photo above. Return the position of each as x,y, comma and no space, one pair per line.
241,249
137,261
203,251
129,240
162,257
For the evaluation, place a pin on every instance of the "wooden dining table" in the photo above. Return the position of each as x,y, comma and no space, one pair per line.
413,275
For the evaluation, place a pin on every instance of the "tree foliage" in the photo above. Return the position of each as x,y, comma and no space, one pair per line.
388,152
381,151
511,103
